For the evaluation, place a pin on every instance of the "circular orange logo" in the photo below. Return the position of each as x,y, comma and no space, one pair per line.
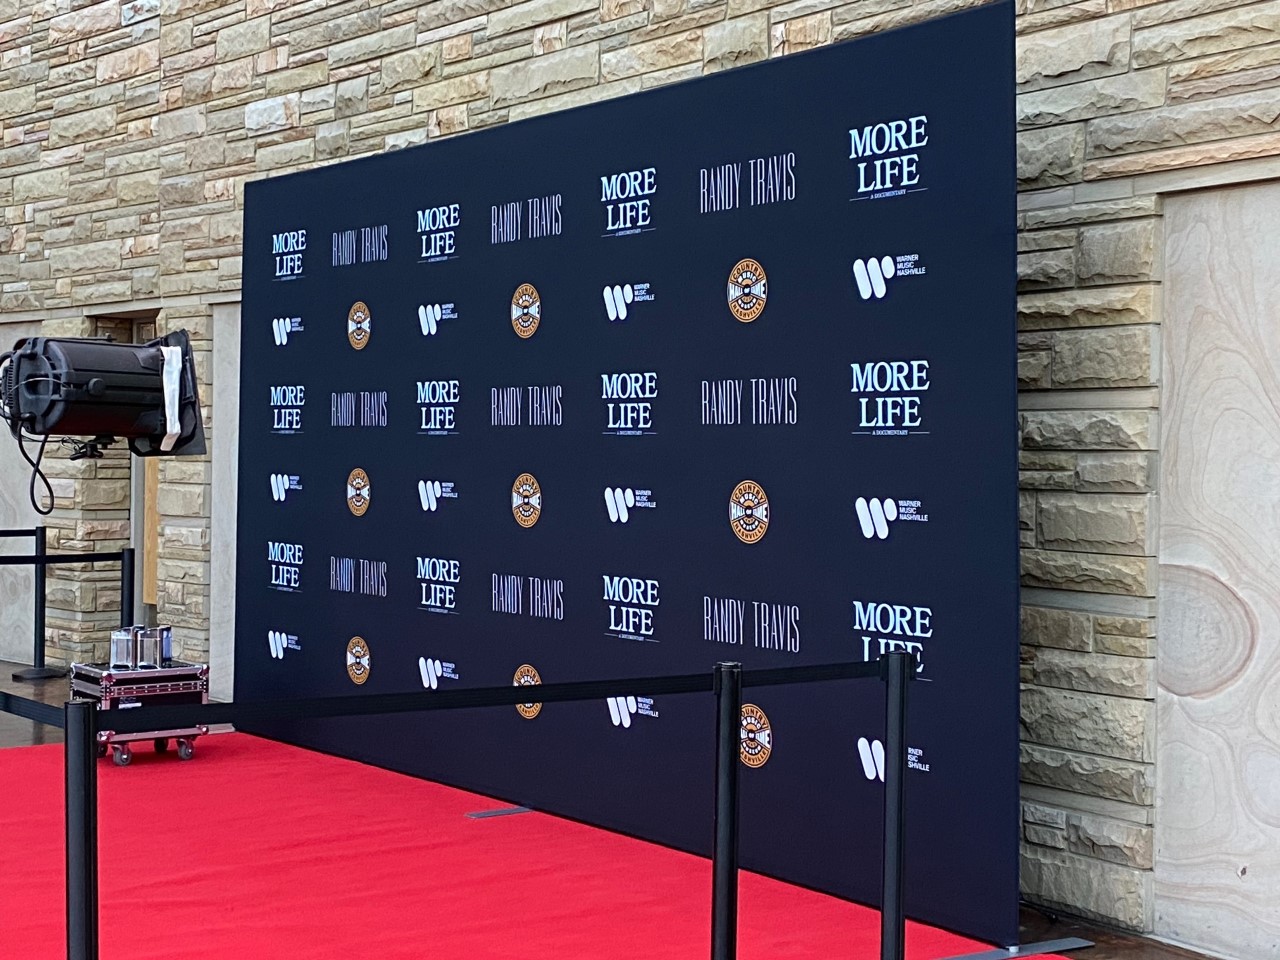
756,741
748,288
526,311
527,676
526,500
358,321
749,511
358,492
358,660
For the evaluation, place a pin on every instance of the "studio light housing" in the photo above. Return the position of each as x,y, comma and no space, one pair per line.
142,393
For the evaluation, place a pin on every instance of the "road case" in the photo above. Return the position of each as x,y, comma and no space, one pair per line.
173,683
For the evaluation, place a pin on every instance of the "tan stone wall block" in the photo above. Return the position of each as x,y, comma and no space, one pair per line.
1089,572
1245,26
1049,627
1103,357
1068,54
1116,676
1105,306
736,42
1116,727
1084,885
544,76
1088,429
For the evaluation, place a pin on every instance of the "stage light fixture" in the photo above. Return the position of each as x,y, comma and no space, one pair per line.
97,389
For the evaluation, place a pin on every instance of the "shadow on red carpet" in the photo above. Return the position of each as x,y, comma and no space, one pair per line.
258,850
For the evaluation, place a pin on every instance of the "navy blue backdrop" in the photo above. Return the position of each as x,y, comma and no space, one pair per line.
723,370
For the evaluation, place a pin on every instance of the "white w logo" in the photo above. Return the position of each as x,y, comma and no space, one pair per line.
429,318
279,486
874,516
431,672
429,494
616,299
277,640
872,754
618,502
280,330
620,710
871,275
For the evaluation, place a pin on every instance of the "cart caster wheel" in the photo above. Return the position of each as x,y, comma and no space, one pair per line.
162,745
102,750
122,755
186,749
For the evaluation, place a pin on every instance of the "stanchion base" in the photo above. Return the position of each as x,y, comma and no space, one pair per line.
41,673
1027,950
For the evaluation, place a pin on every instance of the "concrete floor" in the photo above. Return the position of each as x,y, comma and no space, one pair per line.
1037,926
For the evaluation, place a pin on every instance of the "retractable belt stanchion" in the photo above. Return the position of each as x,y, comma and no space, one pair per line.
724,856
82,830
893,921
37,670
126,587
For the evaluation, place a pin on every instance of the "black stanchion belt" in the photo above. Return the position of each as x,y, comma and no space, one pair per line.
46,713
245,714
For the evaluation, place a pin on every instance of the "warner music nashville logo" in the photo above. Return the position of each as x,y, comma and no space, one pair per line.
288,248
526,500
749,512
622,709
361,245
285,560
770,626
875,515
631,602
769,179
629,401
619,502
358,408
892,628
534,406
286,408
755,739
530,219
887,156
627,199
620,298
278,642
747,290
282,484
433,671
527,676
356,575
437,407
438,580
432,493
431,315
526,311
359,492
359,325
871,753
890,394
761,401
437,232
283,327
359,660
872,276
521,596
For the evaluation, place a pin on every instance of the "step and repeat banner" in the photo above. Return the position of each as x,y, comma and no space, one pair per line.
720,371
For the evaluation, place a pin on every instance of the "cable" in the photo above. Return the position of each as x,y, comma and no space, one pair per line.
36,472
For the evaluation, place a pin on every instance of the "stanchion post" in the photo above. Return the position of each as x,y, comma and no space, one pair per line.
724,858
82,830
37,617
126,588
893,920
38,670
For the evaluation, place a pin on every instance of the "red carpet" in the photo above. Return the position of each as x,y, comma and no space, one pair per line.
260,850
